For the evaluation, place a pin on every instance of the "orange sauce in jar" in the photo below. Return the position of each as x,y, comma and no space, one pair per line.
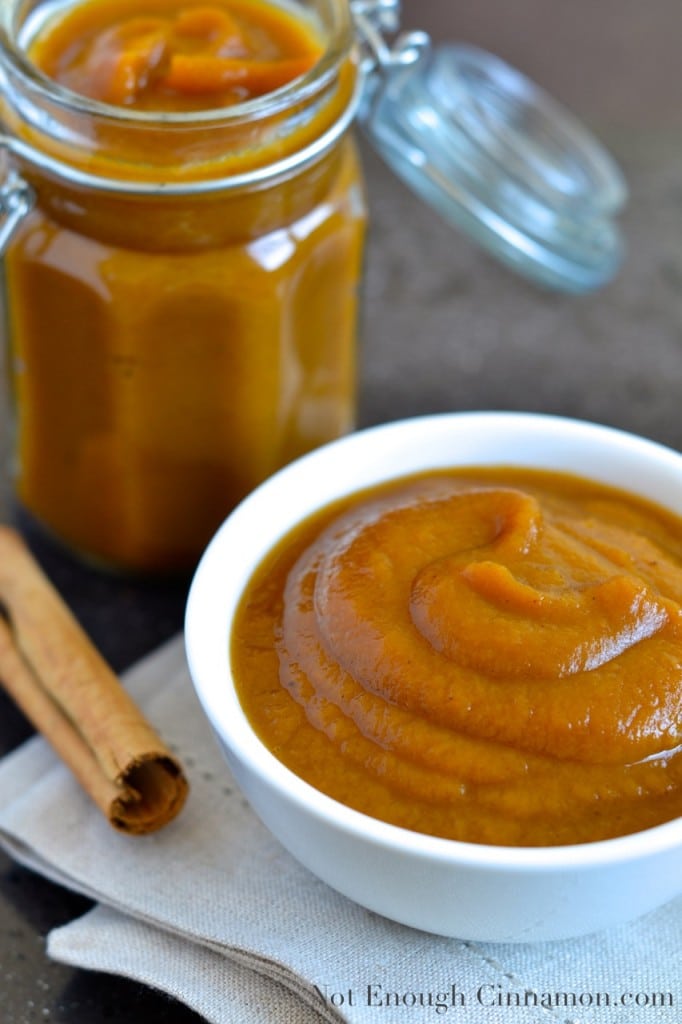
175,340
176,55
492,655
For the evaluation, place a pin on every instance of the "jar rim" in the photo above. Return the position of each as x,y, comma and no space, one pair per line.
254,177
27,90
338,45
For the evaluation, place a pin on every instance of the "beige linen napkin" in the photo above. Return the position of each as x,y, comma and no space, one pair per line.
213,911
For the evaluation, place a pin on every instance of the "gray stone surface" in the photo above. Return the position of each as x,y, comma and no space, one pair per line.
444,328
447,328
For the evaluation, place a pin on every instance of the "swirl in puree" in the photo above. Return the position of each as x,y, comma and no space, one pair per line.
493,656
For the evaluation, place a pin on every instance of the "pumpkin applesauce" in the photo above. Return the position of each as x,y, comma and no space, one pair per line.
488,655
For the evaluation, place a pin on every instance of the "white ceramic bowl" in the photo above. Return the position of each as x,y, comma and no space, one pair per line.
439,885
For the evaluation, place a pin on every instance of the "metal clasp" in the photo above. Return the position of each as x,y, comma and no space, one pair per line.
16,201
373,18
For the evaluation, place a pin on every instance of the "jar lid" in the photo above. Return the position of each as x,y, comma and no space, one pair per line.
499,158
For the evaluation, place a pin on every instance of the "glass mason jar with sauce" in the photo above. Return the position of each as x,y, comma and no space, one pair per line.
183,230
181,299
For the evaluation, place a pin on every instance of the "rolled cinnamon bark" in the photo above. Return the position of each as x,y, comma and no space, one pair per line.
66,689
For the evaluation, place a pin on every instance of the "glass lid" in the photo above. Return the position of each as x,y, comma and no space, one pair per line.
493,154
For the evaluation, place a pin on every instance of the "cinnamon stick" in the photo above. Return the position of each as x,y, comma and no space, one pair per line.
66,689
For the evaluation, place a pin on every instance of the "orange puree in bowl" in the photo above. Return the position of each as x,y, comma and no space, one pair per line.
488,655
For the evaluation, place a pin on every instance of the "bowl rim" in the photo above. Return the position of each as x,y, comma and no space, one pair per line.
208,625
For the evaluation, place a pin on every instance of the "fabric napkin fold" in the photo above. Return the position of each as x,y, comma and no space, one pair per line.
214,912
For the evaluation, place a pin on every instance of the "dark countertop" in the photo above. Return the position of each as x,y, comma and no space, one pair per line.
444,328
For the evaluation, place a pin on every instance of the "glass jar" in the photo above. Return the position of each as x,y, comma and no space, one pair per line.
180,298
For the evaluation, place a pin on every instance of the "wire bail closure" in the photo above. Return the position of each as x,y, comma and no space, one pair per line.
373,18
